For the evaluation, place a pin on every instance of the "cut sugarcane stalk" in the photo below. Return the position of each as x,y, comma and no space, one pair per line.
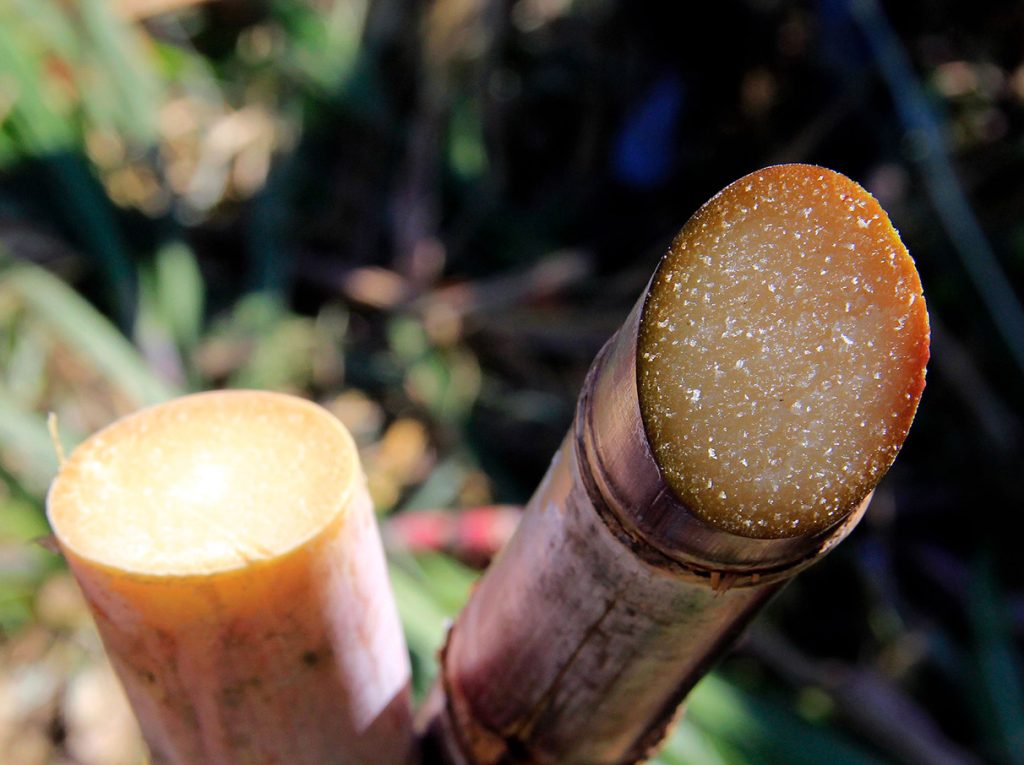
781,356
726,437
228,550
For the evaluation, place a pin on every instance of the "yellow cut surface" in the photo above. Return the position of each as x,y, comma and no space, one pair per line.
782,353
205,483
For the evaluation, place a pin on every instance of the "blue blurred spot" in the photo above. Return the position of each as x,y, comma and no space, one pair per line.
645,149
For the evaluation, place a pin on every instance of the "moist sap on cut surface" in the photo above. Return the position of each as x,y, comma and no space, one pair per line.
204,483
781,353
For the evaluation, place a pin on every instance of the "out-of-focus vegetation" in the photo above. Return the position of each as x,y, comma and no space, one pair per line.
428,217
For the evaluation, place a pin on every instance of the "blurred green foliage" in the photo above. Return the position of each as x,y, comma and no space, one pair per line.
429,217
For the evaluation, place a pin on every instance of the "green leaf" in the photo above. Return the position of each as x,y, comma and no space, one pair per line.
180,292
467,153
429,590
691,745
441,488
21,521
279,345
23,565
42,125
87,331
1001,706
766,732
25,365
34,120
28,451
325,45
125,81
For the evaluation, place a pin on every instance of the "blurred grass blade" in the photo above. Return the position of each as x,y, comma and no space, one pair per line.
181,292
23,565
38,128
423,619
447,581
88,212
86,331
132,91
48,19
280,345
942,183
441,488
325,43
46,134
28,453
169,319
767,733
691,745
1001,706
25,364
429,590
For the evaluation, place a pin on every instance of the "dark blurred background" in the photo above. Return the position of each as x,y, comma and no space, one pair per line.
429,216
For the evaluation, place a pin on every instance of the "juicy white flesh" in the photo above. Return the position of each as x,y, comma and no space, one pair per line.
782,353
205,483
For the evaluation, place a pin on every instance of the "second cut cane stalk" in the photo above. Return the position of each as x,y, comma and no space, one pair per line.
631,572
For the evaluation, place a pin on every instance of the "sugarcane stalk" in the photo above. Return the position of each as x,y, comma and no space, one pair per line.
228,551
727,437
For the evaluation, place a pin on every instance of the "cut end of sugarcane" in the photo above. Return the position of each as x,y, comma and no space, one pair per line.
205,483
781,353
